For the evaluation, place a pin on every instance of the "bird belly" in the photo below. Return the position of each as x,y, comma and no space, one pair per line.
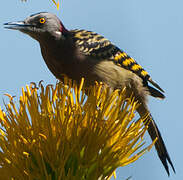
118,78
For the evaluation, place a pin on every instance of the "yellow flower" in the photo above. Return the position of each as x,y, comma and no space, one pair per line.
56,4
62,132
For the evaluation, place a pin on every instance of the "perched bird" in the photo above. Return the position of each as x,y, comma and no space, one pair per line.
81,53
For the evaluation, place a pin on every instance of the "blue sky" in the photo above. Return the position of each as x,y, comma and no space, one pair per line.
149,31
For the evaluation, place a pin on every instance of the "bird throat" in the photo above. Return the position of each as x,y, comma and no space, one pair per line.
57,54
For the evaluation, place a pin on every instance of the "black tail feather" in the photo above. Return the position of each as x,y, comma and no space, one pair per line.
155,133
160,146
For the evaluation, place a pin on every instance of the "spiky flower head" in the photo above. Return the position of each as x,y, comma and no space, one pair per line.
60,133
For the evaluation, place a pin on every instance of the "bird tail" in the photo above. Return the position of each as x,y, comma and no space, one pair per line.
160,145
155,133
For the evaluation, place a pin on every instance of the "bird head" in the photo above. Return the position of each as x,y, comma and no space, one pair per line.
39,25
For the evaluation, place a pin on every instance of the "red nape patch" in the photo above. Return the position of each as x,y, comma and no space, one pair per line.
62,28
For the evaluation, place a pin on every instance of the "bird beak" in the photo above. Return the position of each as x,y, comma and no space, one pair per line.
19,25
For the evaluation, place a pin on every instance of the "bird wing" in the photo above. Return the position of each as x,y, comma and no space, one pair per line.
94,45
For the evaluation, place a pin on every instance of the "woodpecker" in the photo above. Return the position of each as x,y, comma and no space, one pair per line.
81,53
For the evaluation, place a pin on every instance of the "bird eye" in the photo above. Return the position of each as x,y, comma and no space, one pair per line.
42,20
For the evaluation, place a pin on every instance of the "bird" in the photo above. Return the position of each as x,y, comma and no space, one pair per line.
80,53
